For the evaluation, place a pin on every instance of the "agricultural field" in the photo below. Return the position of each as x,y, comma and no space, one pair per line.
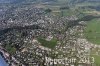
92,31
92,34
96,54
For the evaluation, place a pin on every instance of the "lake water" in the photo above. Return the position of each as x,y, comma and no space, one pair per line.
2,62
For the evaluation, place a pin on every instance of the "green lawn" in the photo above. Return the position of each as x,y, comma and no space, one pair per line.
49,44
92,31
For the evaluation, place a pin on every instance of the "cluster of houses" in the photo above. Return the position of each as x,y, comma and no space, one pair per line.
70,47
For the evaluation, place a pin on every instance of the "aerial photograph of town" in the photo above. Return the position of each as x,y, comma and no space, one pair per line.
49,32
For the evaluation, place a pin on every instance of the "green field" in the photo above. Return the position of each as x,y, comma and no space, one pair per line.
50,44
57,12
96,56
96,59
92,34
63,13
92,31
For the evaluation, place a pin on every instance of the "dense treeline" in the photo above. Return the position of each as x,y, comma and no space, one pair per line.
19,28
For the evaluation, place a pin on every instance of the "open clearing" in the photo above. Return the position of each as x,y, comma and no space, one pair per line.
50,44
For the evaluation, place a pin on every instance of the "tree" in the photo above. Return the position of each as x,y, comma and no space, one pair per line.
48,10
10,49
